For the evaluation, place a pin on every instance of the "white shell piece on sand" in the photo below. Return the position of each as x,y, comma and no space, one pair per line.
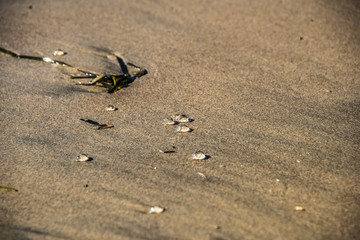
198,155
169,121
299,208
156,209
183,128
181,118
59,52
46,59
110,108
82,158
202,175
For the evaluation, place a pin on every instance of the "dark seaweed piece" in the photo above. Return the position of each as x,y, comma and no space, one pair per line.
92,122
99,125
123,66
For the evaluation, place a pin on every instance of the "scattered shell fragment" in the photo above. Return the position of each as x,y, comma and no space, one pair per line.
198,155
181,118
59,52
169,121
183,128
82,158
156,209
299,208
46,59
110,108
202,175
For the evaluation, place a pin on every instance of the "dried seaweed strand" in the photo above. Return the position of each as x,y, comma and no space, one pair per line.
8,188
112,82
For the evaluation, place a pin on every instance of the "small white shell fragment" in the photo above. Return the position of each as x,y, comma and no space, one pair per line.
198,155
181,118
110,108
82,158
183,128
46,59
299,208
156,209
202,175
169,121
277,180
59,52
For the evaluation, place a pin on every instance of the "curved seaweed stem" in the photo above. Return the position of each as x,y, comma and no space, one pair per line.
112,82
45,59
8,188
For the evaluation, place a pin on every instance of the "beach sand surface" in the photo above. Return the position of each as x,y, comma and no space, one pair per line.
273,88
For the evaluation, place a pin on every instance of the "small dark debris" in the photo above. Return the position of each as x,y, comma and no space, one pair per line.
99,125
86,185
105,126
170,151
30,7
301,38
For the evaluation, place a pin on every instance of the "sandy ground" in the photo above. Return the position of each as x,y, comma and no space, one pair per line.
273,88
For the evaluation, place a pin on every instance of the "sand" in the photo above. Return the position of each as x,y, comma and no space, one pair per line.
272,86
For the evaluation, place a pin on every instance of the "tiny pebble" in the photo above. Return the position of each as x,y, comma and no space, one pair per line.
183,128
156,209
198,155
277,180
82,158
59,52
110,108
299,208
217,227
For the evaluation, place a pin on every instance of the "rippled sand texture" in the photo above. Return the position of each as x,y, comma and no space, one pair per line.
272,86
